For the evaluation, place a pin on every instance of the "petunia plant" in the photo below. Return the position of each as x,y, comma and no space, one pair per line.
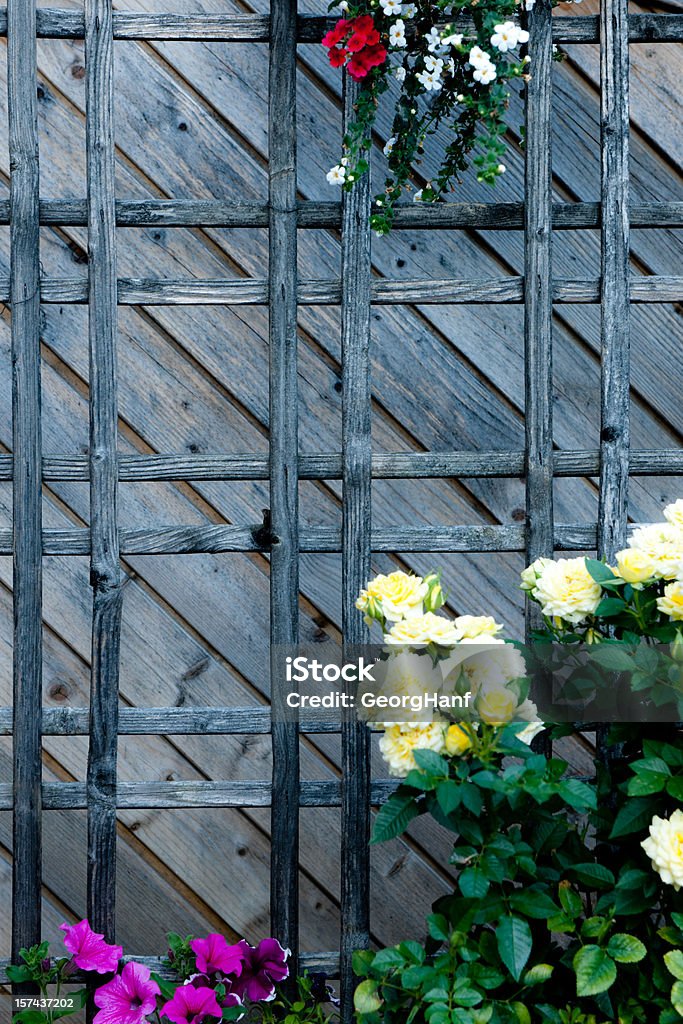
213,980
454,61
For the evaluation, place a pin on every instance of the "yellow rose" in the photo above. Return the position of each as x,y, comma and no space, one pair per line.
423,629
400,741
663,543
496,705
635,566
400,595
664,847
673,513
530,575
458,740
472,626
671,603
567,591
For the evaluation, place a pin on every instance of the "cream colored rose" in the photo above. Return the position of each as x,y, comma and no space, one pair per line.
532,572
458,739
671,603
496,705
664,847
400,595
472,626
673,513
423,629
400,741
528,732
635,566
663,543
566,590
477,664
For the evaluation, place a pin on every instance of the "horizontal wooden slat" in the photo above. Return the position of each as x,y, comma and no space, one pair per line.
184,540
254,292
185,721
71,796
223,213
327,466
53,23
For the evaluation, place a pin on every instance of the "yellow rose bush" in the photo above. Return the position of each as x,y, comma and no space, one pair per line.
567,905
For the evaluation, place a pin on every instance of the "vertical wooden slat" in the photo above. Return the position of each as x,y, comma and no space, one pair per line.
105,573
284,558
538,310
25,301
356,526
614,436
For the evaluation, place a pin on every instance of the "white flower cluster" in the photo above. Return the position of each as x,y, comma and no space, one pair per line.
508,36
484,70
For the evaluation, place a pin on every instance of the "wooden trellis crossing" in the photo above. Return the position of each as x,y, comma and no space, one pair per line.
284,535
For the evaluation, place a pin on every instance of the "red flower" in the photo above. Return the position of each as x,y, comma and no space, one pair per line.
338,56
364,33
337,34
361,63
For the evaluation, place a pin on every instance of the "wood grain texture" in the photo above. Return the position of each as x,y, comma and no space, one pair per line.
615,279
283,520
26,492
538,307
356,557
105,573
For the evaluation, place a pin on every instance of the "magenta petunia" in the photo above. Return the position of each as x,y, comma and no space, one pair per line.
90,951
215,956
264,966
128,998
192,1005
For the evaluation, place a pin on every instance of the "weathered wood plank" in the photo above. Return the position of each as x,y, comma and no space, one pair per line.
68,24
105,574
25,540
538,309
283,464
356,272
615,278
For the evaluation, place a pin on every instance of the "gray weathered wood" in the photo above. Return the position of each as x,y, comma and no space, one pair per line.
26,497
284,484
614,320
538,308
105,573
356,557
69,24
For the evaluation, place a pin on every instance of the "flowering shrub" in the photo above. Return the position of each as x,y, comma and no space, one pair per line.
568,902
449,74
216,981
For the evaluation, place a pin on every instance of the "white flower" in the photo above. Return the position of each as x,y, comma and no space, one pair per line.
484,74
336,175
664,847
450,66
508,36
399,595
455,39
400,74
434,64
343,6
429,81
477,57
433,38
409,10
663,543
471,627
423,629
673,513
399,742
397,34
391,7
566,590
390,143
418,196
528,732
501,168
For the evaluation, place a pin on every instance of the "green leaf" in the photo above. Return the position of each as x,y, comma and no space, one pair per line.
30,1017
167,988
626,949
521,1012
431,762
513,937
599,571
674,963
634,816
612,656
578,795
18,974
647,783
651,764
537,974
362,962
366,998
610,606
595,971
473,883
394,817
386,959
412,951
674,787
593,876
572,904
533,903
438,927
677,997
449,794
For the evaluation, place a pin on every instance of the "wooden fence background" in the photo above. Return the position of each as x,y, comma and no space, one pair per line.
157,182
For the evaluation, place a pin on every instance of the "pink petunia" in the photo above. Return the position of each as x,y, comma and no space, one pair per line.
192,1005
264,966
338,56
337,34
128,998
90,951
215,956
